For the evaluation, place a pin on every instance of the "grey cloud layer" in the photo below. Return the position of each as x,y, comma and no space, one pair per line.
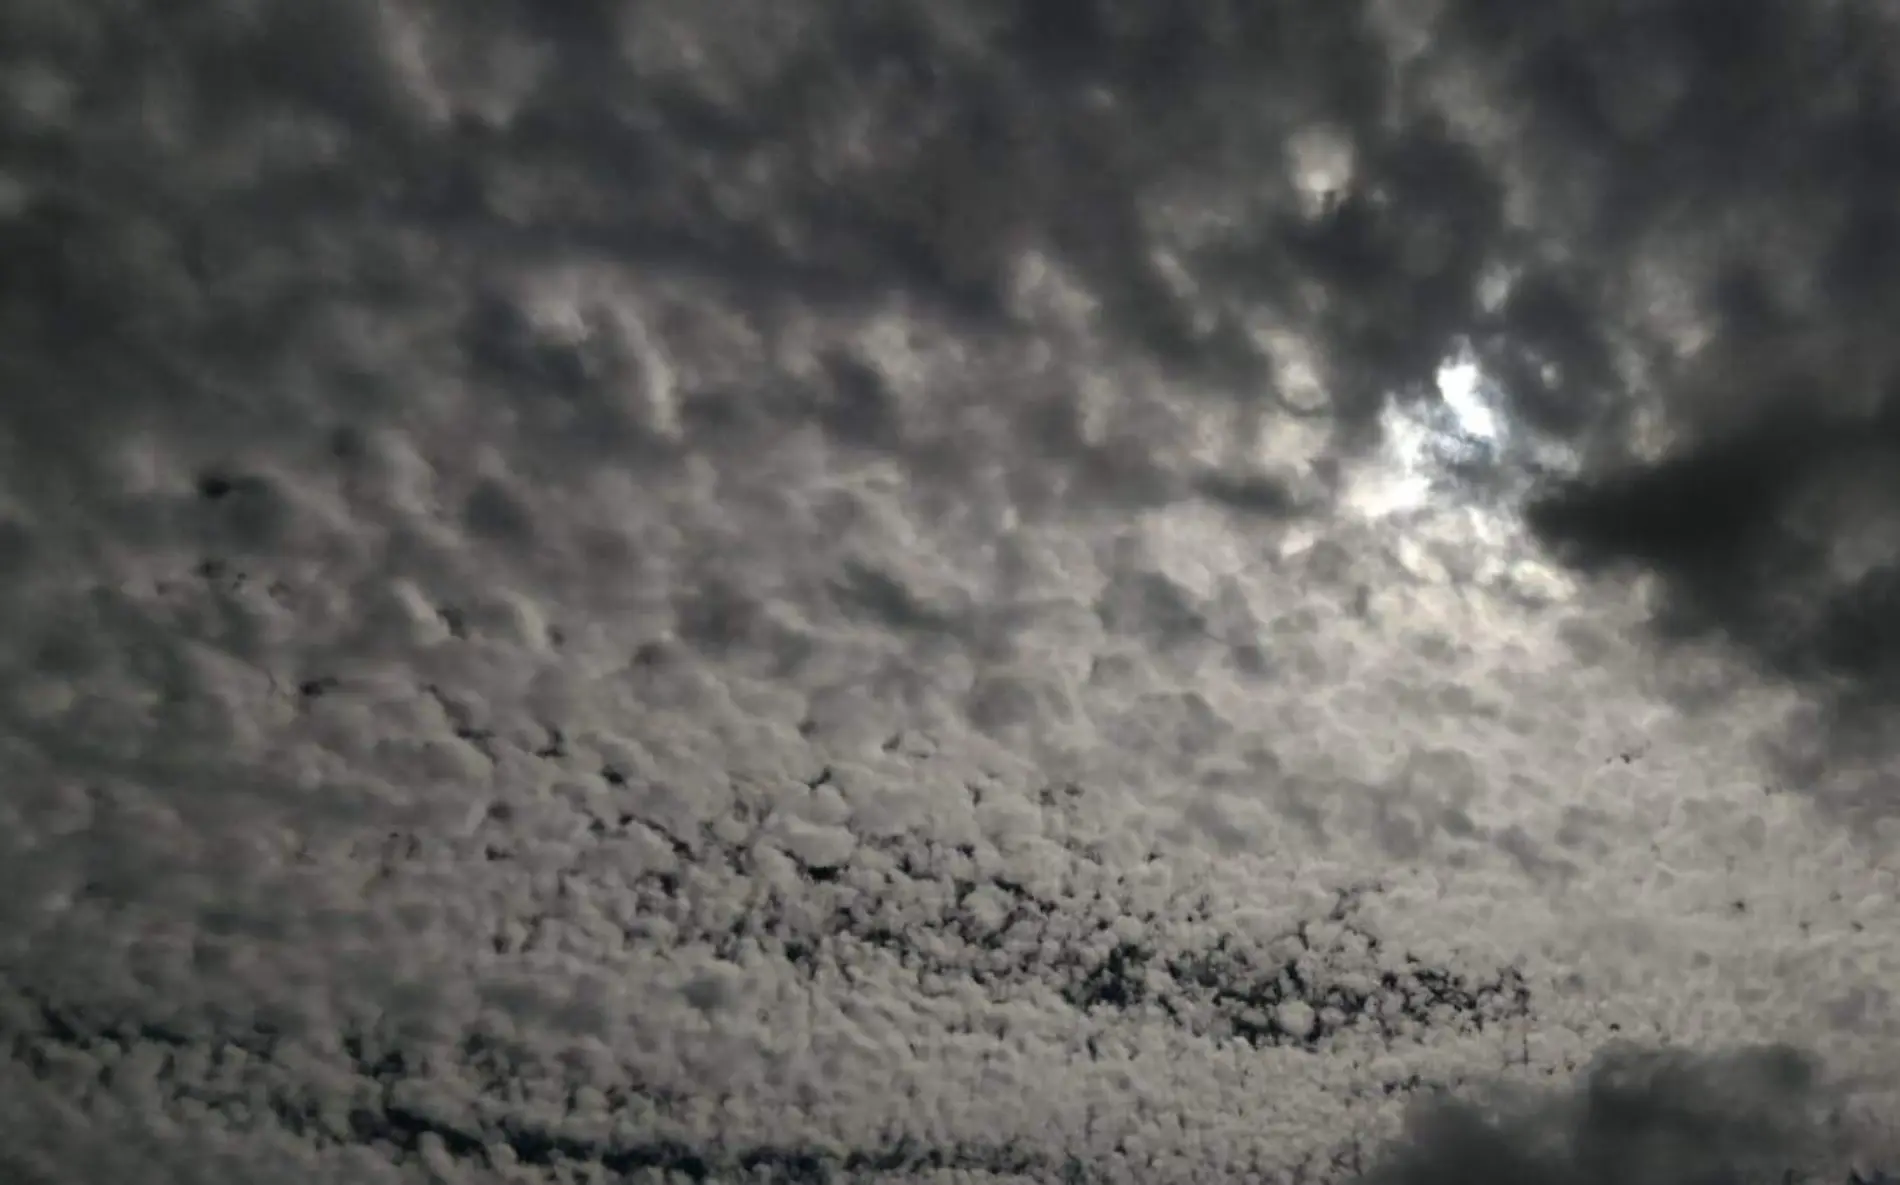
668,588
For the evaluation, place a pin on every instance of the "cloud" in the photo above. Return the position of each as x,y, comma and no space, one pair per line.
666,588
1713,326
1637,1115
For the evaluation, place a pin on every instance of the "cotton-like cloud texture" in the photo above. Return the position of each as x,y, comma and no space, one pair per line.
1085,592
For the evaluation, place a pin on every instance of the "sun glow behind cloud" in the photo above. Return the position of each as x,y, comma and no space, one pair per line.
1438,474
1425,440
1461,386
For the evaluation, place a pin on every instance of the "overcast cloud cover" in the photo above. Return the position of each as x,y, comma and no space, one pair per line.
1083,591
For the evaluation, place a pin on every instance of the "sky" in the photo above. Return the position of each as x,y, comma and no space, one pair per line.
1088,591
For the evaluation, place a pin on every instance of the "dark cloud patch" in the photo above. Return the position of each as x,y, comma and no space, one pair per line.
856,406
1636,1115
1251,496
1718,520
1778,535
884,597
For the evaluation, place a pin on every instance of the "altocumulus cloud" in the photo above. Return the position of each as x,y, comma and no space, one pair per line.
1085,591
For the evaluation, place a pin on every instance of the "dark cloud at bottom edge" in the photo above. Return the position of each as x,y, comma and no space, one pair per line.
1639,1116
